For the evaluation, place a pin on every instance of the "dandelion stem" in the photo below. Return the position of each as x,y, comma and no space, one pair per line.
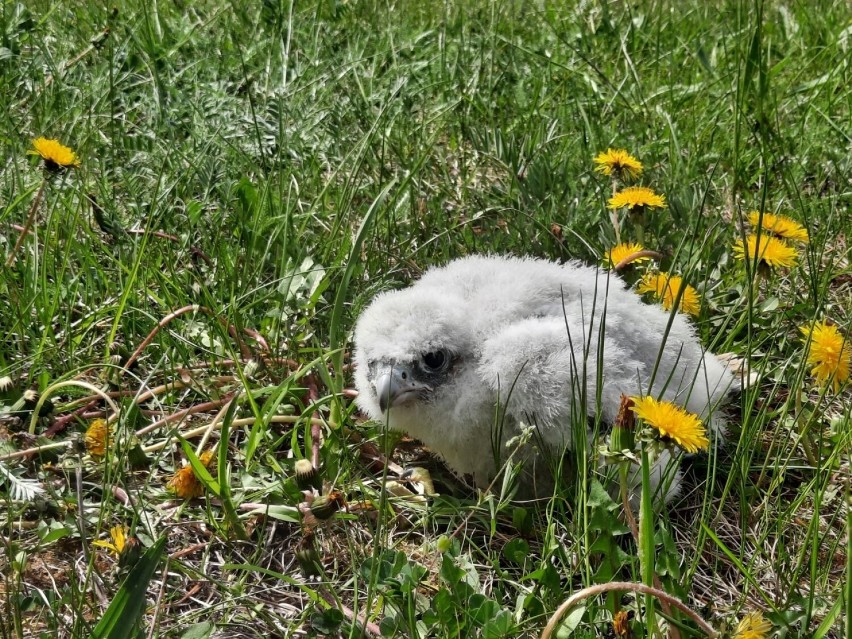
637,216
646,539
674,633
613,213
804,435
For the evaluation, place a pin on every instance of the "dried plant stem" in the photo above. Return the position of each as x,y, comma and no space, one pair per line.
197,252
245,421
195,432
316,422
71,382
198,408
216,424
227,363
598,589
95,43
28,224
369,627
35,450
157,390
194,308
61,422
635,256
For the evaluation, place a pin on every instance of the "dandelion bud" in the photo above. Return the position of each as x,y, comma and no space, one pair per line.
324,506
131,552
136,456
622,431
444,544
308,557
307,476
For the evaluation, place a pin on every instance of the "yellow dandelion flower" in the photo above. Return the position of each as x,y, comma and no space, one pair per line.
96,438
622,251
829,354
115,544
753,626
184,483
55,154
666,287
772,251
618,161
635,196
672,422
779,225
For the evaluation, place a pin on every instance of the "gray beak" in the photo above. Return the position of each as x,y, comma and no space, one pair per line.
397,386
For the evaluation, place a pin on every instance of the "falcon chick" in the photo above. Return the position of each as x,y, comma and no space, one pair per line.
531,337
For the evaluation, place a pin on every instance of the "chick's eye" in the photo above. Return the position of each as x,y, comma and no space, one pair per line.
435,360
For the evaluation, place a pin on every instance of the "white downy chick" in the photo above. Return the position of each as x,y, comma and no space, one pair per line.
531,336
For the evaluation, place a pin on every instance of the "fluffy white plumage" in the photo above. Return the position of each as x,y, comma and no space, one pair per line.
435,359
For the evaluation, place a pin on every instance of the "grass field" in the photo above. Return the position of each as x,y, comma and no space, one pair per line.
251,174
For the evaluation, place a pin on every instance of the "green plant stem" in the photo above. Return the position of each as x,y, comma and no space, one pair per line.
804,435
847,590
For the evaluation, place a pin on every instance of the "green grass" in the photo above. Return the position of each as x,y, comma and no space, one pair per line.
279,164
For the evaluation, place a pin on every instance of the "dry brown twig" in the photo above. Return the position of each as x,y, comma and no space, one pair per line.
636,256
598,589
27,225
194,308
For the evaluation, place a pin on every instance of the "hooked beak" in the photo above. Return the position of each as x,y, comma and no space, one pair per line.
397,386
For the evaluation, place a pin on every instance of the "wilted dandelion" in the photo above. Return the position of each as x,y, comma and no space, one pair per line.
672,422
622,436
184,483
779,225
115,544
829,354
56,156
635,197
96,438
666,287
622,251
753,626
770,251
618,162
621,624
